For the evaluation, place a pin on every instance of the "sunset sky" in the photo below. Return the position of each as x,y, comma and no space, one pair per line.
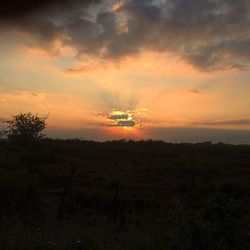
175,70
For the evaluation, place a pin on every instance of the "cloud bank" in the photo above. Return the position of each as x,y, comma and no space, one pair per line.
175,135
238,122
209,34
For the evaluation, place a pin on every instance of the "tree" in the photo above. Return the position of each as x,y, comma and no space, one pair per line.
26,127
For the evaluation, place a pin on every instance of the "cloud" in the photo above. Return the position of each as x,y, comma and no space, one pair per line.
123,123
83,69
121,119
118,117
43,21
221,55
189,135
194,135
96,134
239,122
86,67
209,34
15,8
126,123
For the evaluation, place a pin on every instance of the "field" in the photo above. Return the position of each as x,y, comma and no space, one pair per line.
72,194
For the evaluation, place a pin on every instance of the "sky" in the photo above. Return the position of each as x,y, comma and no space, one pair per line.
172,70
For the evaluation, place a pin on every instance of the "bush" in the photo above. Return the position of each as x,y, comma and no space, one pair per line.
26,127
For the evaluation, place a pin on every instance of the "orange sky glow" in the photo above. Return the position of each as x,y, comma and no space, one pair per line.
131,87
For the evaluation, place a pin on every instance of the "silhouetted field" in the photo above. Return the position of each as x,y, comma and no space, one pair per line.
124,195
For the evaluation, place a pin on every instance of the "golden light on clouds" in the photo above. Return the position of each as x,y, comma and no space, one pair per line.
124,119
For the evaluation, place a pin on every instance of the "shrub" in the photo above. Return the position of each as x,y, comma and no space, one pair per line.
26,127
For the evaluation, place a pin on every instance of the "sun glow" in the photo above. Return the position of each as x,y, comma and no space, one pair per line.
124,132
123,119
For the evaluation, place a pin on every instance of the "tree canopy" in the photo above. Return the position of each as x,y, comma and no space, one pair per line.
26,127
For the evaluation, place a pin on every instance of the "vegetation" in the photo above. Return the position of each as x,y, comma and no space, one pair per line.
120,194
25,128
124,195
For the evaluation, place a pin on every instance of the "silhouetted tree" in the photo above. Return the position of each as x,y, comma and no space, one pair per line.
26,127
25,130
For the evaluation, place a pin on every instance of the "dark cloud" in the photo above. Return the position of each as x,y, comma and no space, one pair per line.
239,122
123,123
15,8
118,117
86,134
222,55
121,119
126,123
189,135
44,21
209,34
195,135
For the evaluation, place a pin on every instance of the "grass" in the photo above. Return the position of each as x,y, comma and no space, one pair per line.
125,195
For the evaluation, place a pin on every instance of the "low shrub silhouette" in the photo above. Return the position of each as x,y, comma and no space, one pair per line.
25,128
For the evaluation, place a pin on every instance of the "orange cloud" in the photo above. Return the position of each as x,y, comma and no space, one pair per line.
82,69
